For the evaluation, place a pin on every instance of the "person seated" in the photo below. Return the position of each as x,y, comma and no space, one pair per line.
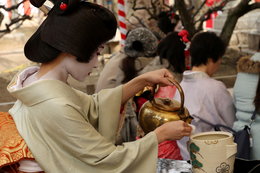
205,98
247,99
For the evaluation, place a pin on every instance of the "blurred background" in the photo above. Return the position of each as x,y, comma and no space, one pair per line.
236,21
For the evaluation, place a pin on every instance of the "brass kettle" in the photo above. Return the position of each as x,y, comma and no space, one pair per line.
158,111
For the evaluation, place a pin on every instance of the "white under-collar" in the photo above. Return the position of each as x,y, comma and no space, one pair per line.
189,72
24,75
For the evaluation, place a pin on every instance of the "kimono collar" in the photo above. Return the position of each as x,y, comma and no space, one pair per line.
190,75
41,91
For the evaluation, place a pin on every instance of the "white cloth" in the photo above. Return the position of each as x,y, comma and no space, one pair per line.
29,166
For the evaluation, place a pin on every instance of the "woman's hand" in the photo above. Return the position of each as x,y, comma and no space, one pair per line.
156,77
173,130
147,79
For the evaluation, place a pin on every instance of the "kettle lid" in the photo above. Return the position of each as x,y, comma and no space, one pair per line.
166,104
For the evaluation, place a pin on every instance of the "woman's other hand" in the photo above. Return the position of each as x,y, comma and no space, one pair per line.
173,130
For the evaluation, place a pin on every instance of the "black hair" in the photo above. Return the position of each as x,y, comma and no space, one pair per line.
164,21
204,46
128,67
78,31
128,63
172,49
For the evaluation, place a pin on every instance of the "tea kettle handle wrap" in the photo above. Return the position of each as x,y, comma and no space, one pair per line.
174,82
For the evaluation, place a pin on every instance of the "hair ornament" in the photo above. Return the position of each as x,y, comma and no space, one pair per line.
63,6
59,6
184,34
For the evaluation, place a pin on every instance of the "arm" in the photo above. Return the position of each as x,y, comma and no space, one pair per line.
169,131
146,79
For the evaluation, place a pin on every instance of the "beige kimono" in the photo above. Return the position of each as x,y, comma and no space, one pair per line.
71,132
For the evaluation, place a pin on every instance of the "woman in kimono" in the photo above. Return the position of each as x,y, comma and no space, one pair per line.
67,130
205,98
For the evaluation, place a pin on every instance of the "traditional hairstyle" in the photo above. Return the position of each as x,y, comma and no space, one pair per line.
172,49
77,29
140,42
204,46
167,21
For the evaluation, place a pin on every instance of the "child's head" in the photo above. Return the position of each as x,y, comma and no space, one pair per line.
205,46
79,30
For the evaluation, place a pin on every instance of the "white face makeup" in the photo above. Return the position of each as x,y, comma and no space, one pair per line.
80,70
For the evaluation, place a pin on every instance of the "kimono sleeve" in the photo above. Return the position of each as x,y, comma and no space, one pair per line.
102,110
84,144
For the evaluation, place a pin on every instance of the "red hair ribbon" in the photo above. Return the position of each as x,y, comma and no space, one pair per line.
63,6
184,34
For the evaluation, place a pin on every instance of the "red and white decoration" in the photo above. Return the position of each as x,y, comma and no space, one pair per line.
210,21
26,8
122,21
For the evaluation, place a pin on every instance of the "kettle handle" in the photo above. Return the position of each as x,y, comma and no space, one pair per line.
174,82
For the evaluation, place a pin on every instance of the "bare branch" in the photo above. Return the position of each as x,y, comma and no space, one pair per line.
207,14
13,7
198,10
141,8
131,23
166,5
19,20
153,9
134,4
1,17
15,21
233,15
150,10
139,20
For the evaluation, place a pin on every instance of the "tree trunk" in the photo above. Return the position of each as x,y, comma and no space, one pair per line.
186,19
233,15
228,28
